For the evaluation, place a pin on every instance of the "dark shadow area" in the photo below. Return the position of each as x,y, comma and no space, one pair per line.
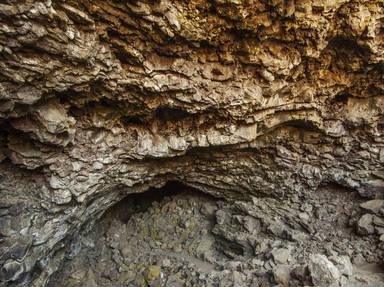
140,202
170,114
341,98
302,124
348,46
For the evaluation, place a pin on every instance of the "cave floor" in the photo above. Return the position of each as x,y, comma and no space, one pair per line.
186,238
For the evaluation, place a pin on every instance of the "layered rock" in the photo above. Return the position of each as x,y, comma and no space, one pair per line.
100,99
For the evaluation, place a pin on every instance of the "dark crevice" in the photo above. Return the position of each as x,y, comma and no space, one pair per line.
303,124
170,114
341,98
342,44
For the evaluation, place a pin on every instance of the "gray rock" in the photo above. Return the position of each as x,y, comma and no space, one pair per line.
281,255
378,221
358,259
220,217
282,275
343,263
323,272
373,206
365,226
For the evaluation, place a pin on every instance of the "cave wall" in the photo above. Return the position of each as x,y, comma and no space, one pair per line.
99,99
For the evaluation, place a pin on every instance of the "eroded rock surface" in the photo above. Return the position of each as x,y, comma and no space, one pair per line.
240,99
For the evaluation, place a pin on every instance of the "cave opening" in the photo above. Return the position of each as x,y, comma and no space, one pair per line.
146,238
172,223
141,202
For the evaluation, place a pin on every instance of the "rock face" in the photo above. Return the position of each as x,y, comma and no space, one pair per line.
239,99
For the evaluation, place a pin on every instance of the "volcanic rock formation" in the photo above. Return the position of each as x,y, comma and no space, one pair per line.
242,100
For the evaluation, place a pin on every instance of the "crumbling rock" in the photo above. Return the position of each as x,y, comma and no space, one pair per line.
101,99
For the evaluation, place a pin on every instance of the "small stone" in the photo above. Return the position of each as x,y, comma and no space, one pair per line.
220,217
174,281
300,273
177,248
277,229
251,224
323,272
10,270
166,263
373,206
378,221
61,196
381,155
97,165
298,236
207,208
281,255
381,238
153,274
365,226
282,275
267,75
379,230
304,216
257,262
358,259
343,263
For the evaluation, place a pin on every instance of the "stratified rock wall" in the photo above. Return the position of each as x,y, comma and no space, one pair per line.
99,99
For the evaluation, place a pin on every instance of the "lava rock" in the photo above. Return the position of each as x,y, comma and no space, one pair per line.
281,255
365,226
282,275
323,272
373,206
343,263
153,275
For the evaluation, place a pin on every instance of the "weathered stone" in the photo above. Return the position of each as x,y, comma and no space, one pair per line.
281,255
153,275
373,206
282,275
343,263
323,272
365,225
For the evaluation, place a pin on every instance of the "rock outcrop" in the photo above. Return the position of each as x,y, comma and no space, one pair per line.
239,99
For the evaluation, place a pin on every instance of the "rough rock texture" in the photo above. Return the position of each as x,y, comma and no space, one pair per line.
187,239
100,99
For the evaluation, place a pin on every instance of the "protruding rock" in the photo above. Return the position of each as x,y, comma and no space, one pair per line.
373,206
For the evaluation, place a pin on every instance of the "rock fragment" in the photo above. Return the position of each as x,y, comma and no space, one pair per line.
365,226
373,206
343,263
323,272
281,255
